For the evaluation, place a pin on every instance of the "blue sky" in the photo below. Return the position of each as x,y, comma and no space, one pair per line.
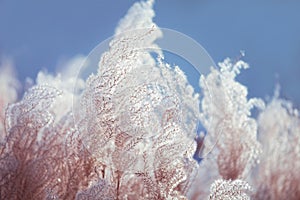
41,34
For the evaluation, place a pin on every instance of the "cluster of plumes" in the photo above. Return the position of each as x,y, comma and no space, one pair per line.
8,89
227,189
140,109
231,146
41,159
131,134
227,118
277,176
